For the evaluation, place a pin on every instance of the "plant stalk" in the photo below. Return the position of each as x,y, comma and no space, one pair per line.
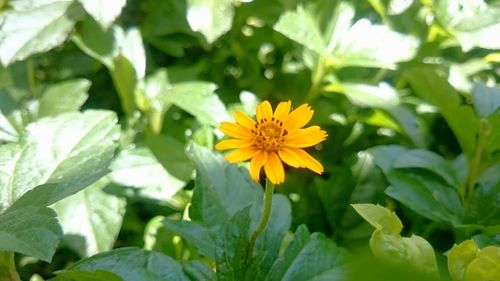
268,201
8,267
475,163
30,71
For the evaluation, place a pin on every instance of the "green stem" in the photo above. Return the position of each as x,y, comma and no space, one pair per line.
268,201
8,267
30,71
474,163
318,76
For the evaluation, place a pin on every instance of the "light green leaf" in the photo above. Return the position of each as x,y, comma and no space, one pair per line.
91,219
381,96
459,257
428,85
195,234
96,42
31,231
80,275
486,265
139,168
131,47
132,264
7,131
32,27
160,239
208,108
63,97
210,17
125,80
301,27
380,218
58,157
104,12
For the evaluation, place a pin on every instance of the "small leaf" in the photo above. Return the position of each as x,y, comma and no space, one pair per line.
32,27
380,218
31,231
212,18
133,264
104,12
67,96
91,219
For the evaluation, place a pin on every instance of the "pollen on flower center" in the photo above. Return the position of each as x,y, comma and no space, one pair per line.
269,135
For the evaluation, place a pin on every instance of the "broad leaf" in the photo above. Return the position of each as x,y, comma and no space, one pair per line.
61,155
31,231
67,96
91,219
31,27
212,18
132,264
104,12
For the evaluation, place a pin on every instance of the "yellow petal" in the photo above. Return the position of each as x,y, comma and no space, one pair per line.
244,120
282,110
240,155
235,130
306,160
290,158
274,169
264,111
306,137
233,143
299,117
258,160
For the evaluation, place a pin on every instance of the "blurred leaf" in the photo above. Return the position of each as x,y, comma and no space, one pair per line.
67,96
96,42
80,275
427,84
32,27
104,12
486,265
210,17
160,239
7,131
232,247
459,257
486,100
484,207
380,218
133,264
473,23
58,157
196,270
31,231
139,168
195,234
381,96
131,47
91,219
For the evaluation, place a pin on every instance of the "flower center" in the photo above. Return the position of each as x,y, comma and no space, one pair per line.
269,135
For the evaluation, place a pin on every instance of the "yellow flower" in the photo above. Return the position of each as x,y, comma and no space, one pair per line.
271,139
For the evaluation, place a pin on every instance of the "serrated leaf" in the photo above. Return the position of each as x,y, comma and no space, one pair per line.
132,264
380,218
91,219
32,231
58,157
104,12
67,96
31,27
140,169
210,17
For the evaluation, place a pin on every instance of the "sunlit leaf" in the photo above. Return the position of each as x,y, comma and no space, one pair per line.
212,18
380,218
104,12
67,96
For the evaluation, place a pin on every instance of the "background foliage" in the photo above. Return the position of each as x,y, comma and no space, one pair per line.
109,112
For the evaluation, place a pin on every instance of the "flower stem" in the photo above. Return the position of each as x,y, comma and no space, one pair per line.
268,201
7,267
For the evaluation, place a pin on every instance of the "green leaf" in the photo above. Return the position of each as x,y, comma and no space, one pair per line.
381,96
31,231
58,157
486,265
80,275
318,259
103,12
133,264
232,247
195,234
196,270
212,18
428,85
484,207
7,131
486,100
125,79
91,219
430,161
96,42
459,257
139,168
32,27
380,218
281,265
67,96
207,109
386,155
